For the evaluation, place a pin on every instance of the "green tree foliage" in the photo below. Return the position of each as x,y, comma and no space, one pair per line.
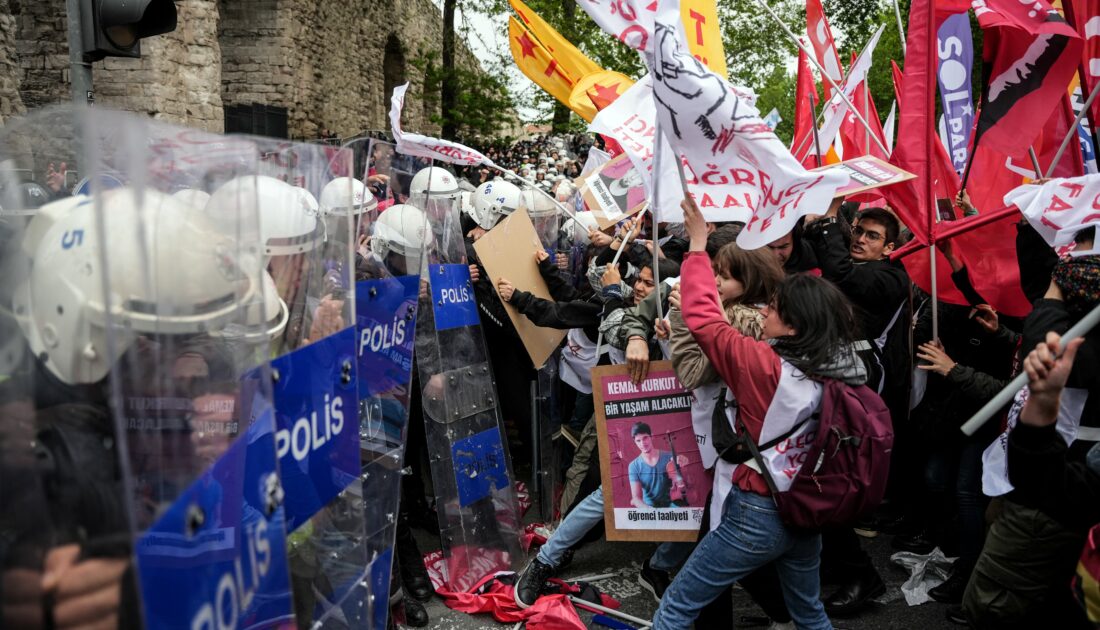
482,105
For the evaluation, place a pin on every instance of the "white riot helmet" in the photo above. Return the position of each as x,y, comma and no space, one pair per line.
192,197
565,190
401,229
345,196
288,222
538,204
435,182
576,229
493,200
171,272
265,317
466,201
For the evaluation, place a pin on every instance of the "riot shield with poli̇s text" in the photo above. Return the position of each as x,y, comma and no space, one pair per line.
307,253
392,241
471,469
148,489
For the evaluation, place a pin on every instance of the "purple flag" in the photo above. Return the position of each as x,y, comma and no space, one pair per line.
955,50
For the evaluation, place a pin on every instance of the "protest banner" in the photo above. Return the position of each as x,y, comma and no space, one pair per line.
866,173
613,192
654,483
508,250
1059,208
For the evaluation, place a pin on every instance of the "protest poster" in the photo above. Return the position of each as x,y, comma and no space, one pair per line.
614,192
866,173
508,250
654,483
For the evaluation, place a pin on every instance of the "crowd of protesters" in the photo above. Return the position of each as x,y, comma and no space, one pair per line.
769,327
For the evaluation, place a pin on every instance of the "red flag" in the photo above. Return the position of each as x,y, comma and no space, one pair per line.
821,38
1072,163
853,134
1032,53
1080,13
913,200
804,120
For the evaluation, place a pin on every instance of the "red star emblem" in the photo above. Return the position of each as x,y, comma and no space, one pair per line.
604,95
527,44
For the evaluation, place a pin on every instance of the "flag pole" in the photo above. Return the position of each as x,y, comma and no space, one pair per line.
1080,329
901,29
1073,129
821,115
813,129
1034,162
532,184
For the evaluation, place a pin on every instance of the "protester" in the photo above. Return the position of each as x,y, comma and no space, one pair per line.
1031,546
879,290
809,327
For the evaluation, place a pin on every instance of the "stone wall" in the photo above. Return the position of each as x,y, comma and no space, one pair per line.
11,103
330,63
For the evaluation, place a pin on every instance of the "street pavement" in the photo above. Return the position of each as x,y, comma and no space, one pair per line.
624,560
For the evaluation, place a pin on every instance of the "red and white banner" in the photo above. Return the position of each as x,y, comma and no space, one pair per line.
1059,208
632,121
720,135
428,147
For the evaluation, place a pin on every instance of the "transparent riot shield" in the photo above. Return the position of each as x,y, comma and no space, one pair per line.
307,254
472,474
140,484
545,215
387,285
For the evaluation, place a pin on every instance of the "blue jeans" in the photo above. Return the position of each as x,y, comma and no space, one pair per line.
750,535
588,514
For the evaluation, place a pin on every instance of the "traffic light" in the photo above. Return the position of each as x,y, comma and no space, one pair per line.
115,28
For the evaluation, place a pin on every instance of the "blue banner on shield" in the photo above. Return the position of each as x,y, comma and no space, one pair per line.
452,296
480,466
217,557
316,413
385,313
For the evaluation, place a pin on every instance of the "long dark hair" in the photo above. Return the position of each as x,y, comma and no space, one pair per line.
822,317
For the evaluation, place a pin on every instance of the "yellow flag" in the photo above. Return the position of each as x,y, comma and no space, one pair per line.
596,90
568,56
704,34
535,61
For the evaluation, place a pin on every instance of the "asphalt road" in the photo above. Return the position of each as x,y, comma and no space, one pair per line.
624,561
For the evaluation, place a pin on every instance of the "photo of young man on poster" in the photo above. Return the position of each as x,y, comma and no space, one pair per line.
655,476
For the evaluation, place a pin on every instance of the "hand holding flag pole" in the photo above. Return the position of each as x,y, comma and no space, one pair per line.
1080,329
824,74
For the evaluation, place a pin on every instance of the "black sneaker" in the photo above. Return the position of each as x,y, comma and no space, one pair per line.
530,582
915,543
956,616
952,589
653,580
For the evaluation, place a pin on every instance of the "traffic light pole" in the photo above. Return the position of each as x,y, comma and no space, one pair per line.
80,71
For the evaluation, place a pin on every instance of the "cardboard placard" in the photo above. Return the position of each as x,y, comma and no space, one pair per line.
654,484
508,250
613,192
867,173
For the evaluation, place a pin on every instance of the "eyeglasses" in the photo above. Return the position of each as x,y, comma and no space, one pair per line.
871,236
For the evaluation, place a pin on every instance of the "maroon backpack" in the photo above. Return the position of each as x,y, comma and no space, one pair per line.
846,468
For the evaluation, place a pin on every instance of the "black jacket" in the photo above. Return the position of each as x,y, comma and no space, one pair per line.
1047,480
568,309
877,288
1052,315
